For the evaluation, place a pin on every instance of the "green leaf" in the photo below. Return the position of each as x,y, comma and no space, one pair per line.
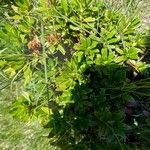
64,5
10,71
120,59
93,44
111,57
120,51
135,22
104,53
111,34
61,49
2,63
23,4
113,40
89,19
63,84
52,49
26,95
75,28
132,53
45,109
27,75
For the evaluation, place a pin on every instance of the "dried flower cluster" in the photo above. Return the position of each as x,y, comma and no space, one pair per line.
34,45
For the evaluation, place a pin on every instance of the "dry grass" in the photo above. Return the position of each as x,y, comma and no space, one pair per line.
141,6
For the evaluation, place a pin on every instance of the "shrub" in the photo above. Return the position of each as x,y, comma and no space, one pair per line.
97,82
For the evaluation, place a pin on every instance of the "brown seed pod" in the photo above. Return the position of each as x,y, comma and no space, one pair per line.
53,38
34,45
